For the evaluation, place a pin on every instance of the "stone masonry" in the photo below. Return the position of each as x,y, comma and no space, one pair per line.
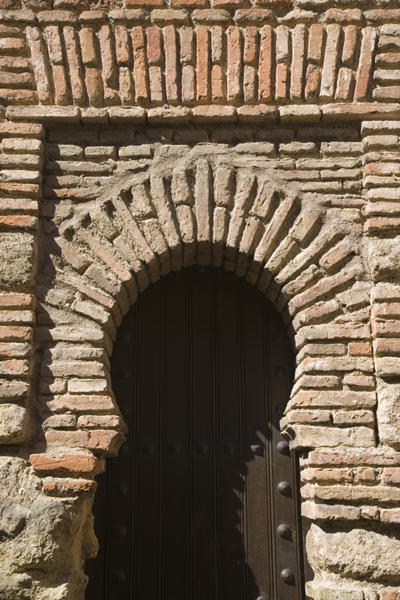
138,137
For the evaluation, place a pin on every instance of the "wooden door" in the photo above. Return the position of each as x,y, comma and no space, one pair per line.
201,502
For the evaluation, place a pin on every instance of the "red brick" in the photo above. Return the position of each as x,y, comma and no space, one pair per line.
122,45
64,464
225,3
383,15
265,65
315,43
282,43
336,256
192,3
217,44
18,221
344,85
11,96
99,422
109,259
390,595
78,368
391,475
88,47
214,113
12,45
388,59
81,403
350,44
313,82
97,440
186,38
155,82
61,87
139,64
16,300
382,224
94,86
171,63
217,83
15,333
351,15
68,487
330,63
86,16
390,92
14,367
297,67
360,349
365,64
281,82
250,53
15,80
379,168
74,64
21,129
108,69
202,64
234,64
129,3
387,346
154,51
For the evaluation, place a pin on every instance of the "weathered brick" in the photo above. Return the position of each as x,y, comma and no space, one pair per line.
64,464
96,440
68,487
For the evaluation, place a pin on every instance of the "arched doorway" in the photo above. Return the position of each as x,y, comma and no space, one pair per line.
201,504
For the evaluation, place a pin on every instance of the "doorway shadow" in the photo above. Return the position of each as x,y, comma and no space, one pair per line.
186,510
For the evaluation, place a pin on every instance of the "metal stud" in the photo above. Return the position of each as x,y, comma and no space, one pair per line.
284,531
287,576
284,488
257,449
283,447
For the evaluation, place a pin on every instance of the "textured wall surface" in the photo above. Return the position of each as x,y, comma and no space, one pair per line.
140,137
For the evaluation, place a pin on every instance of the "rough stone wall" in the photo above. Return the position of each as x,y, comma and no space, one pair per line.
139,138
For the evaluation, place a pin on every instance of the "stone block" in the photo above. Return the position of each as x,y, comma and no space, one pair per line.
382,257
16,260
356,553
388,413
14,424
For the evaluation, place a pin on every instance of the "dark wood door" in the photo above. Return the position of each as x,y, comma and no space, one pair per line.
201,502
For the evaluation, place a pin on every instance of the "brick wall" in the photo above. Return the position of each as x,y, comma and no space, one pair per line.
139,138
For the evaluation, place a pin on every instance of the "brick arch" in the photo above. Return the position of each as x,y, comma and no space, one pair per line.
170,212
198,210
